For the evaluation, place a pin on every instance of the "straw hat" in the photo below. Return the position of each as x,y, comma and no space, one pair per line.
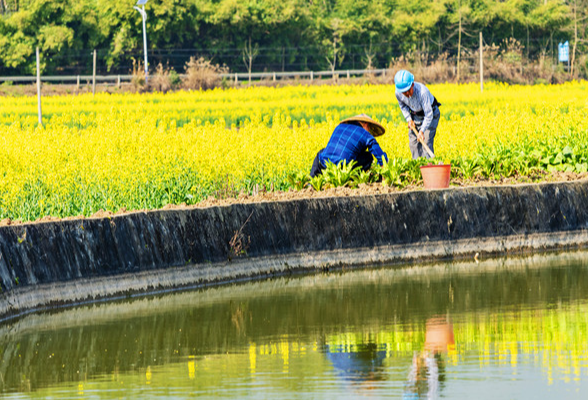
375,128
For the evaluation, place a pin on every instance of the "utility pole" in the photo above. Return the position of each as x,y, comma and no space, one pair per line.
459,46
144,16
39,89
481,63
94,75
575,40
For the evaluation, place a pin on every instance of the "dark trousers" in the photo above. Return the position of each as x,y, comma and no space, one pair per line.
416,148
364,160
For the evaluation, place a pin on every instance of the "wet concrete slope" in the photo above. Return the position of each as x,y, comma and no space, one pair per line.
48,264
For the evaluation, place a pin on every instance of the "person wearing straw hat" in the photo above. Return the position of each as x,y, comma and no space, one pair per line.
353,139
420,109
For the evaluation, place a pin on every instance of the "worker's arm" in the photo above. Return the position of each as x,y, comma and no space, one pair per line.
404,108
376,150
425,100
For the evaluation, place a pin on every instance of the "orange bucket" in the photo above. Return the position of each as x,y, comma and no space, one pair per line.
436,176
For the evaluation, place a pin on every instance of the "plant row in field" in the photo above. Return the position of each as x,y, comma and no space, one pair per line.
500,162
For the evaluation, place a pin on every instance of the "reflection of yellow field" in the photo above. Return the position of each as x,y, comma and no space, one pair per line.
137,151
553,340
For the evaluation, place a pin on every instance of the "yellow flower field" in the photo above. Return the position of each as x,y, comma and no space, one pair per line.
147,150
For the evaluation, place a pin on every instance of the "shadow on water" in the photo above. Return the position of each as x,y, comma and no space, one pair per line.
356,319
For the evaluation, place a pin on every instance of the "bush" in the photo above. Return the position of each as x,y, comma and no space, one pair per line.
163,80
202,74
138,79
421,65
174,78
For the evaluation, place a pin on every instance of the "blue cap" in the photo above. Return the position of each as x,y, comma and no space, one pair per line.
403,80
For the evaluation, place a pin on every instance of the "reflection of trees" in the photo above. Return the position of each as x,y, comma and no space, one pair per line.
382,307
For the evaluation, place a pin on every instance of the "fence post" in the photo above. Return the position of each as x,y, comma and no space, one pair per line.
78,83
347,74
481,63
236,78
274,76
118,82
311,76
39,89
94,75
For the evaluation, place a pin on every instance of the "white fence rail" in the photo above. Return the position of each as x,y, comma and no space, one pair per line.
239,76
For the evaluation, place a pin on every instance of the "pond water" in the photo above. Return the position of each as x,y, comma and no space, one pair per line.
504,328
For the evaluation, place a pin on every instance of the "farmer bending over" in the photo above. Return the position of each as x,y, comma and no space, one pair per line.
420,109
352,139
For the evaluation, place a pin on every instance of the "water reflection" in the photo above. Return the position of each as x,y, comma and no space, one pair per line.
427,372
364,365
413,332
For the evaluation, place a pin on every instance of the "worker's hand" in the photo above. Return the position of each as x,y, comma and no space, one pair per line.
421,136
411,125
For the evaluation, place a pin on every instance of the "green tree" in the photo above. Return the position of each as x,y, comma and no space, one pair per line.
579,29
546,20
295,32
414,21
53,26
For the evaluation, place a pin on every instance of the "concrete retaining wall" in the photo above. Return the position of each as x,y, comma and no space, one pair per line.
48,264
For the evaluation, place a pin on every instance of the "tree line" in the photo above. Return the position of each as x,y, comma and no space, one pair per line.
281,34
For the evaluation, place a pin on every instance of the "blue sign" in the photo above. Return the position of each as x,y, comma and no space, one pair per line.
564,52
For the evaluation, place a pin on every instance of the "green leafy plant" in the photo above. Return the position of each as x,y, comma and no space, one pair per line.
342,174
365,177
413,169
391,172
464,167
298,180
318,183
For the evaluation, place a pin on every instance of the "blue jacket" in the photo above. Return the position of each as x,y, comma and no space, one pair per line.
347,142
